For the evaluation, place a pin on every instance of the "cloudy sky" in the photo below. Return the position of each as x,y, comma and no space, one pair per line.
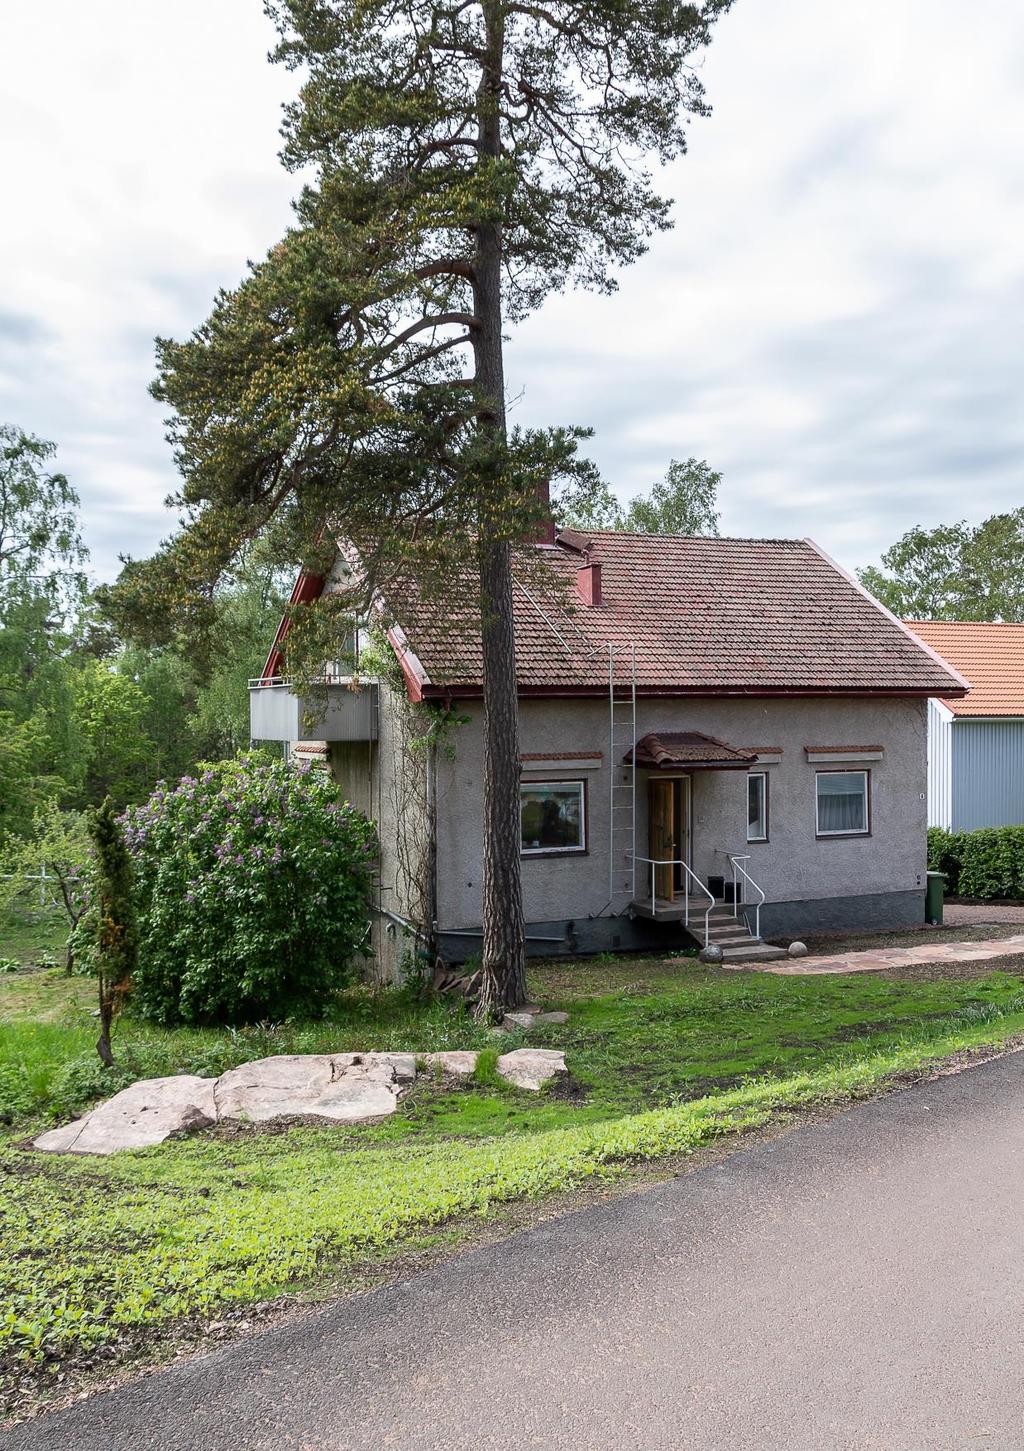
835,322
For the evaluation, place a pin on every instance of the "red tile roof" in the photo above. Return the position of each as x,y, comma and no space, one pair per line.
705,617
991,656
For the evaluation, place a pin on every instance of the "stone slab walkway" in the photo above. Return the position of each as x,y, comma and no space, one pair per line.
886,957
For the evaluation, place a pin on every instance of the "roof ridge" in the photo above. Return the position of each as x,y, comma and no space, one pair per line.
972,624
704,538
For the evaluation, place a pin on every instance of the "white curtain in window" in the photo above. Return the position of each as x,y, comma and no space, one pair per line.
756,792
842,801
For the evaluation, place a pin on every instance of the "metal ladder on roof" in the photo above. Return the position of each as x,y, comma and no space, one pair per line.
621,774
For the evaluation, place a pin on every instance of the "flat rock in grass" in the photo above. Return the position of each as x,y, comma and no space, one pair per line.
343,1086
551,1018
531,1067
457,1061
512,1022
144,1113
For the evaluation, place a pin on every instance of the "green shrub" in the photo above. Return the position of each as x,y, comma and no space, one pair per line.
945,854
253,886
986,863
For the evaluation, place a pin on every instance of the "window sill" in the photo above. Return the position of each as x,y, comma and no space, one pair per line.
841,835
550,851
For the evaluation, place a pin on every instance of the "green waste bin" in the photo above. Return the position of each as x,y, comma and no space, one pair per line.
933,898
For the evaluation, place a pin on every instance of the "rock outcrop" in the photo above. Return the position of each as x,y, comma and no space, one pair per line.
338,1087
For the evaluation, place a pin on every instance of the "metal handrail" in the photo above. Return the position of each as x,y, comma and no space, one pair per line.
258,682
735,860
693,877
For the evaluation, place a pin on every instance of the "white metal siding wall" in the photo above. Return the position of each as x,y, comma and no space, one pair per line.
988,774
940,767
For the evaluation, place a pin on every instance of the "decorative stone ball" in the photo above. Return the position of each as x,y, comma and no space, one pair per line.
798,949
712,953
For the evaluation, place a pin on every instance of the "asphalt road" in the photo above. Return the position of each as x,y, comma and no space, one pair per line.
856,1283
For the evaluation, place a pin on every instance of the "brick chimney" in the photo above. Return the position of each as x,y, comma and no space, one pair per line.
588,583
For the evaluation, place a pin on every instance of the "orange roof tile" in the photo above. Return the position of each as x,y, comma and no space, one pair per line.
990,655
705,616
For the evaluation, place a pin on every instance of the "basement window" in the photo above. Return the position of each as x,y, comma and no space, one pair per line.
553,817
843,803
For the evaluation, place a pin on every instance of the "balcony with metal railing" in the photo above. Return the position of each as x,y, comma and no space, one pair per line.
336,709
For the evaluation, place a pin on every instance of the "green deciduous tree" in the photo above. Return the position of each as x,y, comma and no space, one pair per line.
248,611
955,571
684,502
40,548
21,787
467,160
109,714
41,588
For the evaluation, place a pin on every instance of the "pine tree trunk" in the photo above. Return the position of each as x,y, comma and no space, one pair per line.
503,982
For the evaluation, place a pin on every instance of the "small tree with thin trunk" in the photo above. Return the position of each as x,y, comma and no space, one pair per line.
117,938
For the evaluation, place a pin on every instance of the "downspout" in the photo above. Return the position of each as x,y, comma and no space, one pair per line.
432,848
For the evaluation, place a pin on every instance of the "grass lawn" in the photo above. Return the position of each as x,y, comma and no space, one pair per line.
103,1252
30,937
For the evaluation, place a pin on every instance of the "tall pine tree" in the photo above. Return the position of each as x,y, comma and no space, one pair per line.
470,158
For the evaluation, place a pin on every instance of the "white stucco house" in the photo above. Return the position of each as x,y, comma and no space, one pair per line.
976,742
710,729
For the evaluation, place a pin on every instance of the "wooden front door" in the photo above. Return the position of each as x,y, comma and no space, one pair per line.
661,834
681,830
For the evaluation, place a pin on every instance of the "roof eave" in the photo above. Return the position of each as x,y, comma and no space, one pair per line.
418,684
599,690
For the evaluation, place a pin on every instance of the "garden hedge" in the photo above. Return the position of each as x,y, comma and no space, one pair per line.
986,863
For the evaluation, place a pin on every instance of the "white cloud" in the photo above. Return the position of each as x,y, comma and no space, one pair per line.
833,322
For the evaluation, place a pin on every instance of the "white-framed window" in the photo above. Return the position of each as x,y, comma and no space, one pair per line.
757,806
553,816
843,803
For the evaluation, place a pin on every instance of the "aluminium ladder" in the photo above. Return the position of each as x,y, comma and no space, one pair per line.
621,774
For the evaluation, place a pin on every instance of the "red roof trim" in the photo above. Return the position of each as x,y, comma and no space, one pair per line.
307,587
417,682
472,691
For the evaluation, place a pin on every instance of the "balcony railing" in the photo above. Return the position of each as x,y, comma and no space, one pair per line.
334,711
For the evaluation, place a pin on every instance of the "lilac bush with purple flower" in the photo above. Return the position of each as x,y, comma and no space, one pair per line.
254,887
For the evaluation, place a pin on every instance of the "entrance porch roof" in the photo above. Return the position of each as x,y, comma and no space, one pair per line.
673,750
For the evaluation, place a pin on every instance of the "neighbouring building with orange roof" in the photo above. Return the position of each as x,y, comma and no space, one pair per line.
976,742
722,740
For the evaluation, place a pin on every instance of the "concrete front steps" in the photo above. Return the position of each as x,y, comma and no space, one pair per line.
737,942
